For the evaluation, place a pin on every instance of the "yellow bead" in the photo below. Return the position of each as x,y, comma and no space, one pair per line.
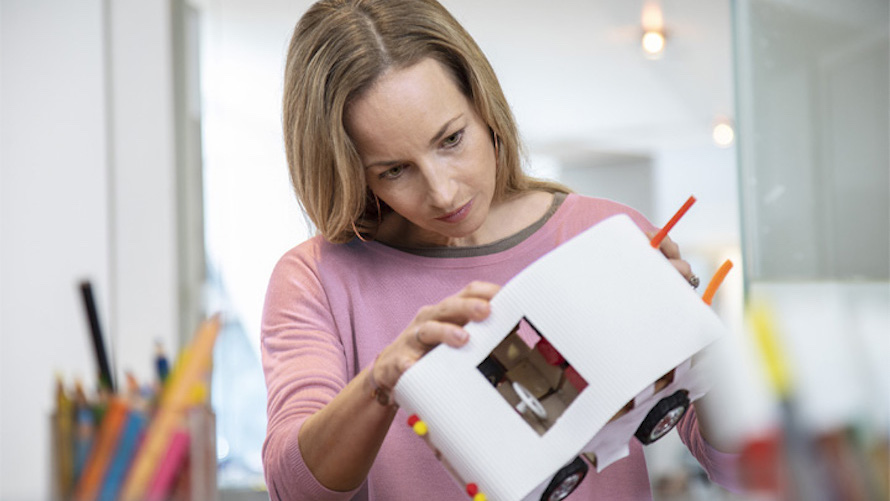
479,497
420,428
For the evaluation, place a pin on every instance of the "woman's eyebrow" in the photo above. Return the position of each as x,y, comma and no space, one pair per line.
383,163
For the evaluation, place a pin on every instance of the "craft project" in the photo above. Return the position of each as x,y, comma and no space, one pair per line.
585,349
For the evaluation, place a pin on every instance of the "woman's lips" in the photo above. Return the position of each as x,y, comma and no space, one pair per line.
458,215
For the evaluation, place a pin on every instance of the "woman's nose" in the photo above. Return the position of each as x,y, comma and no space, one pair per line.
442,188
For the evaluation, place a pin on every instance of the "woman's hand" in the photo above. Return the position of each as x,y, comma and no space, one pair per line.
435,324
672,252
340,442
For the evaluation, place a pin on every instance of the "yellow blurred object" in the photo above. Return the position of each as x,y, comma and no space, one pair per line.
420,428
198,394
766,336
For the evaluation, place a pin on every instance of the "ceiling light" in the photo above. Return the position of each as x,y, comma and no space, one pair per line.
652,22
723,134
653,43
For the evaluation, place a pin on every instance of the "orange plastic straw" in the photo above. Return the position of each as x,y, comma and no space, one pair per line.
656,240
715,282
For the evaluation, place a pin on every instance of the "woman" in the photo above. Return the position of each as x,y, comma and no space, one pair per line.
404,153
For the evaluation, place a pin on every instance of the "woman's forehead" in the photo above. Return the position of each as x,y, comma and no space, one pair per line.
406,105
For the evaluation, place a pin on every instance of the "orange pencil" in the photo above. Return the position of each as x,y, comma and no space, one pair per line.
656,240
715,282
97,463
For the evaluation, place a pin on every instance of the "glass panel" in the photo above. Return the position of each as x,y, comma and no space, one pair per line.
813,110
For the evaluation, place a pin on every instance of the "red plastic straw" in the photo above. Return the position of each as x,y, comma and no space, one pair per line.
656,240
715,282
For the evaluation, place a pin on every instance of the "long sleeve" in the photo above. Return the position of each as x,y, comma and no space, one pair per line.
722,468
305,367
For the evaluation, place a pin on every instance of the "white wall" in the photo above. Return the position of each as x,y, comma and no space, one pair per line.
87,190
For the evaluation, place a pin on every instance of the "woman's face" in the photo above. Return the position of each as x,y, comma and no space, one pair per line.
428,155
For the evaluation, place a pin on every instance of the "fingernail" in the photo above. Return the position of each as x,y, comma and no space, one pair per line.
461,335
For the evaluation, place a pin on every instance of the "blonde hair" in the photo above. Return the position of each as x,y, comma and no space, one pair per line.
338,50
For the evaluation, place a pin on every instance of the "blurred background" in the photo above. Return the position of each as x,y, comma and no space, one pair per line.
140,147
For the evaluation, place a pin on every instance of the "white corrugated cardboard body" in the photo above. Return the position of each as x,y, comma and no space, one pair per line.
612,305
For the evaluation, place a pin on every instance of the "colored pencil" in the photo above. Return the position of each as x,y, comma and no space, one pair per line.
657,239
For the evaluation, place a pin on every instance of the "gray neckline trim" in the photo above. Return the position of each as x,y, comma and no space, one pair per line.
494,247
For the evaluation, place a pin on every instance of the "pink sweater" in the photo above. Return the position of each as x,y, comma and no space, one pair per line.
330,308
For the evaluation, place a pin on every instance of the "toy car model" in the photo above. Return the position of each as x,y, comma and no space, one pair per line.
590,346
540,384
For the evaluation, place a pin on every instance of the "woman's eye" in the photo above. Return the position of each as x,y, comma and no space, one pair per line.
392,172
453,139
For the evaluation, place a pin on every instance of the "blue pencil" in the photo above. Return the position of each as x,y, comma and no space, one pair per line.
84,430
162,366
128,443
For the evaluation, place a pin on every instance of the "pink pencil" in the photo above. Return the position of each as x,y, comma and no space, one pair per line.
169,467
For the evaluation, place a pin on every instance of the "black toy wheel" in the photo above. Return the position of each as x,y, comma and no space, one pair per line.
663,417
565,480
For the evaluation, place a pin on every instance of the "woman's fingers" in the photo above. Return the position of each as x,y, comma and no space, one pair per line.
470,304
669,248
431,333
671,251
482,290
441,323
456,310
